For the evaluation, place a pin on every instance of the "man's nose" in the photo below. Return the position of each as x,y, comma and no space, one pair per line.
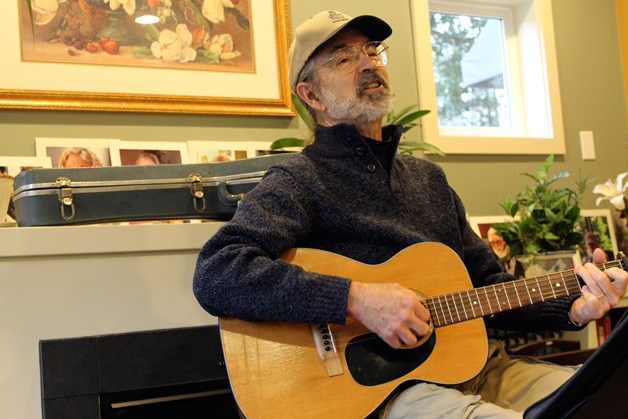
365,62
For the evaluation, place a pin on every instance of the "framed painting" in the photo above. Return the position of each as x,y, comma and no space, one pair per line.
598,229
194,59
75,152
141,153
13,165
216,151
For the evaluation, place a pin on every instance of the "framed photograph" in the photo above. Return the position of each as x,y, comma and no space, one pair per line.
75,152
140,153
216,151
599,231
260,148
14,165
94,56
482,227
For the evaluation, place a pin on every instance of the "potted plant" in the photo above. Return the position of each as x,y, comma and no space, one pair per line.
545,218
406,117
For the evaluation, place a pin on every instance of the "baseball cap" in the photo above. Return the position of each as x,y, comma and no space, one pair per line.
312,33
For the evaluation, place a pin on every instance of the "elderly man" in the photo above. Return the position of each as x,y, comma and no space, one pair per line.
351,193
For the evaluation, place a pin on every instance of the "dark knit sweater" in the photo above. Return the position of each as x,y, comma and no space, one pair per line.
336,196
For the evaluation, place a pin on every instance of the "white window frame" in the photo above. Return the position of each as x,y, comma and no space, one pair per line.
535,102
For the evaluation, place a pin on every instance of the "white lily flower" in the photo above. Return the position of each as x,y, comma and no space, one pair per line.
45,10
613,192
222,45
214,10
174,46
127,5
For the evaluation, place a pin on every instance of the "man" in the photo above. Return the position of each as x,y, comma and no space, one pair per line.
350,193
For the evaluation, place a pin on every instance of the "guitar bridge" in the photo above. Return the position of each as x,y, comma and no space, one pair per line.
326,348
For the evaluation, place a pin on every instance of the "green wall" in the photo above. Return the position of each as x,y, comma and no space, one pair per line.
591,86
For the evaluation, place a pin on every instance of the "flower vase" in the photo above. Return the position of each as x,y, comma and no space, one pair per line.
118,28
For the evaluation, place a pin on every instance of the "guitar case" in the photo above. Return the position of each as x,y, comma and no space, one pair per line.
65,196
597,389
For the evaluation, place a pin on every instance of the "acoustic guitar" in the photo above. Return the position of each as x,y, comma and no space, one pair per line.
292,370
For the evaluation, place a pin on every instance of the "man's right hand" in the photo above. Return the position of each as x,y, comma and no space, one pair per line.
393,312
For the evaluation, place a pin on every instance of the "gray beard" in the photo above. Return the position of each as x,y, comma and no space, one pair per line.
354,110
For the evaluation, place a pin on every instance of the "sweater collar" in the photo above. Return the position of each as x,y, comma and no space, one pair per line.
344,136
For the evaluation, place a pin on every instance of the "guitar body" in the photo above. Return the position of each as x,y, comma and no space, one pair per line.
275,369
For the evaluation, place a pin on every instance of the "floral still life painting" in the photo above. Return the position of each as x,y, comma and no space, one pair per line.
212,35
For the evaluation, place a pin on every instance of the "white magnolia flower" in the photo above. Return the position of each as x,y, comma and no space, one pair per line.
45,10
614,192
127,5
174,46
214,10
222,45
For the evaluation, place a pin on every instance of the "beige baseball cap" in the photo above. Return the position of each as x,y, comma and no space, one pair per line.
321,27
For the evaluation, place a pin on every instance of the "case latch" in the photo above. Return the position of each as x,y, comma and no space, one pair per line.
196,189
65,198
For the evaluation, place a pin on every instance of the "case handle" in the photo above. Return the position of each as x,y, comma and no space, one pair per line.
226,197
64,194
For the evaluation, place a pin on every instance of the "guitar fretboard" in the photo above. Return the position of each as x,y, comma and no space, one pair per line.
469,304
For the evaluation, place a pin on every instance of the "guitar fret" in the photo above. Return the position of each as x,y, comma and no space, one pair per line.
466,316
497,298
471,303
514,285
479,302
540,291
488,300
449,309
551,286
462,306
565,283
506,295
528,290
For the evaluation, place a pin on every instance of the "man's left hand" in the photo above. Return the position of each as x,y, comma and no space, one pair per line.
603,290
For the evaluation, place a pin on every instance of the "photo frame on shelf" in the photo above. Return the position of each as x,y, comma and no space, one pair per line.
481,224
598,229
74,85
216,151
75,152
13,165
262,148
137,153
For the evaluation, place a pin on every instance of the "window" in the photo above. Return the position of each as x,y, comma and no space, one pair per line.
488,73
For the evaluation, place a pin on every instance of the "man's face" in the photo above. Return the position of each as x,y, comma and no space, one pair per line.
498,245
363,95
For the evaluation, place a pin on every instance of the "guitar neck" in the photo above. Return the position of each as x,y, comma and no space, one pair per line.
469,304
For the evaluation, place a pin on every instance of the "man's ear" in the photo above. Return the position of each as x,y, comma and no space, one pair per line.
309,96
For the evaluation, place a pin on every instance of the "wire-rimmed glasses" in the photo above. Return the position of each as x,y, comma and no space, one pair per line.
345,60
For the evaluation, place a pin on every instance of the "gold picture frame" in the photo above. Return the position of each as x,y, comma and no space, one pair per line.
73,87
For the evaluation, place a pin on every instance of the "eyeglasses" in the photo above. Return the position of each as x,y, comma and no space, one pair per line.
345,60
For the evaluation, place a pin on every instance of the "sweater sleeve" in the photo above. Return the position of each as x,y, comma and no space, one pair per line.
239,273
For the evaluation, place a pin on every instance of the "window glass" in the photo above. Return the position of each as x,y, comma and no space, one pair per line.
470,71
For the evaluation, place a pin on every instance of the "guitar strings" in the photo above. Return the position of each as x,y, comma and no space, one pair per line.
504,296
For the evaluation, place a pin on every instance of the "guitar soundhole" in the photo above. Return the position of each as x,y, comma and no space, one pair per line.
372,362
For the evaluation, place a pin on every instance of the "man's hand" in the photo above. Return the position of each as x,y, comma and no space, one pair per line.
602,291
391,311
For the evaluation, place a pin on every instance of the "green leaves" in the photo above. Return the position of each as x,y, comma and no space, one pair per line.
545,217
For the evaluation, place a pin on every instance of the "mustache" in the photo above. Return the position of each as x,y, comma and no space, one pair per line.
368,78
